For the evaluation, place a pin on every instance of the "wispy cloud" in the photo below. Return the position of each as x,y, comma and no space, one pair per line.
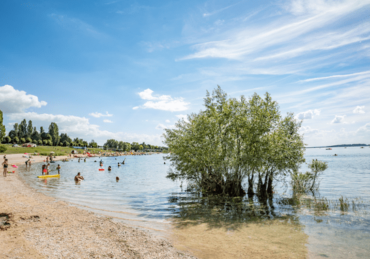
207,14
107,121
248,41
72,23
98,114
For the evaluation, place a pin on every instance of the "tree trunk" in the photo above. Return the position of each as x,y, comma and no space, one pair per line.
269,184
250,184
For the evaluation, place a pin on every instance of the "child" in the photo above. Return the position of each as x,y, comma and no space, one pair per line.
44,170
58,169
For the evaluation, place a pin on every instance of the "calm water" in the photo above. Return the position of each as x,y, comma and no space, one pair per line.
146,198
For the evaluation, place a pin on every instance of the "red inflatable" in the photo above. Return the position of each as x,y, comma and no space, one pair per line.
101,169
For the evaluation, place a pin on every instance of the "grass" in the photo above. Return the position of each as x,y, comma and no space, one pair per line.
45,150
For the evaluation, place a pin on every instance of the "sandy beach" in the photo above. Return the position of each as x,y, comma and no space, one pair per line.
43,227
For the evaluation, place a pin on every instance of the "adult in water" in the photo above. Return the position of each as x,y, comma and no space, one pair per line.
58,168
119,164
79,177
117,178
5,167
26,163
109,168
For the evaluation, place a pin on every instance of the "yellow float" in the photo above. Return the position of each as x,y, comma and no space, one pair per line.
48,176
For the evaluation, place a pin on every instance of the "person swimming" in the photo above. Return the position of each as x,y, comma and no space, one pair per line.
109,168
119,164
117,178
79,177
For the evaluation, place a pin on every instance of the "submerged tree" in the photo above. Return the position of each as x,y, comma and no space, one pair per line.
233,140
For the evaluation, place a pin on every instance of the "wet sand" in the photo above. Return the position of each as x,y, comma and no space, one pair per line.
269,239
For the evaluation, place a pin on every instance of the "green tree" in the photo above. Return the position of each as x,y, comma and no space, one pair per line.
66,143
233,140
54,133
111,143
29,128
65,138
28,140
2,127
23,140
39,142
135,146
15,129
317,167
7,139
22,131
2,148
45,141
15,140
36,136
41,130
93,144
141,147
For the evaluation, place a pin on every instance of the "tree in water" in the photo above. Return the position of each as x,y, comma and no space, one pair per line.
233,140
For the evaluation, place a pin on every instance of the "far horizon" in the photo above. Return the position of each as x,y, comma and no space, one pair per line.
127,71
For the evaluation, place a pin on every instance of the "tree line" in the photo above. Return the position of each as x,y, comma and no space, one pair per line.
26,133
126,146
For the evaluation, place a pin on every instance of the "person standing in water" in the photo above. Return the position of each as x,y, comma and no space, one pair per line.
26,163
44,170
58,169
29,162
79,177
5,167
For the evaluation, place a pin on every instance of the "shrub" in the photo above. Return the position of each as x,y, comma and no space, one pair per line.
2,148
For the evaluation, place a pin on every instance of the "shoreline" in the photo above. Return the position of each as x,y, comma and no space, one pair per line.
44,227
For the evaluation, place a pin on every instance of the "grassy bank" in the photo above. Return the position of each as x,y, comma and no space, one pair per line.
45,150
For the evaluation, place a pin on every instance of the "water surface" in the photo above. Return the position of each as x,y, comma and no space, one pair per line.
146,198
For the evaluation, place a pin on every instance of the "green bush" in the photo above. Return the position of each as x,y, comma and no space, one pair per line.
2,148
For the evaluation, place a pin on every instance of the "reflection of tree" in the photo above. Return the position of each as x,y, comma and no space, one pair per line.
226,212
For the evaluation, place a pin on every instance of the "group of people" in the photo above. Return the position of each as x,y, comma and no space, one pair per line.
46,170
5,166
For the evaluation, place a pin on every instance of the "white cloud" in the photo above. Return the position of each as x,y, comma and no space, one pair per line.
13,101
183,116
168,121
107,121
364,130
162,102
359,109
338,119
308,114
98,115
161,126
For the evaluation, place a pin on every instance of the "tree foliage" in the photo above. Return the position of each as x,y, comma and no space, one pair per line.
2,127
234,140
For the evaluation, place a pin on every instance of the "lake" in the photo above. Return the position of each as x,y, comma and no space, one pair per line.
145,198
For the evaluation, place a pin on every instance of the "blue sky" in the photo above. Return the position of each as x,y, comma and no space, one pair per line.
128,69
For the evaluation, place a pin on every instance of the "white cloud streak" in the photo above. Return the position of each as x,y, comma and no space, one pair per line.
98,115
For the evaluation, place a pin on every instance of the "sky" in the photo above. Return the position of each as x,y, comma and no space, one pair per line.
129,69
